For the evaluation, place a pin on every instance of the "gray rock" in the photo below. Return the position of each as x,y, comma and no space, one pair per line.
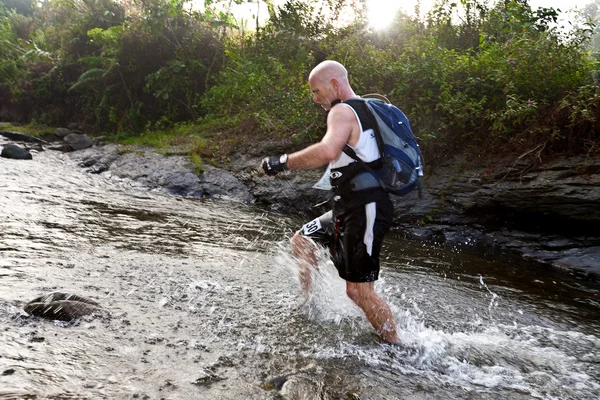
15,152
547,212
64,147
174,174
584,259
78,142
61,306
21,137
97,159
62,132
567,189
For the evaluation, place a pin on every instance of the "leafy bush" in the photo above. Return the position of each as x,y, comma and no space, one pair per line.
10,50
471,76
265,76
499,80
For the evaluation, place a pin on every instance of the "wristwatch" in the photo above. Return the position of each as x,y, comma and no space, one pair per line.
283,160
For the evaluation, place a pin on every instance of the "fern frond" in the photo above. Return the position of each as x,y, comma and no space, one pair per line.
87,77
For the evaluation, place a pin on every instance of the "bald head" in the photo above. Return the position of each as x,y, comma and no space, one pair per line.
328,70
329,81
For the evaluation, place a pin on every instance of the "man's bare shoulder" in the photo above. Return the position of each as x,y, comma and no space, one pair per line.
340,113
342,126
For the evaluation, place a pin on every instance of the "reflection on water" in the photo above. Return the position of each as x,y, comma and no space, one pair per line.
202,302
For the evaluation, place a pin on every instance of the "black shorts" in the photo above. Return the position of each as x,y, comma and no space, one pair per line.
354,238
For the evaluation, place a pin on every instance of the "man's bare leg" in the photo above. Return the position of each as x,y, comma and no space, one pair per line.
375,308
305,252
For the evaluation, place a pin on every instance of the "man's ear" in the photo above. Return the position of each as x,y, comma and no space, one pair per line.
335,85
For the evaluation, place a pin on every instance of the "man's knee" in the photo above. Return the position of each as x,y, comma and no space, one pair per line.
352,292
359,291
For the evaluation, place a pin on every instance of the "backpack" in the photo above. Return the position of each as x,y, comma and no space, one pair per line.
401,156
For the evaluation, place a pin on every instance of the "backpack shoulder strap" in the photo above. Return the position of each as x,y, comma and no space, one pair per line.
362,103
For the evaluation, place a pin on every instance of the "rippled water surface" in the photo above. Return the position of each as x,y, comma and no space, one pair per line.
201,301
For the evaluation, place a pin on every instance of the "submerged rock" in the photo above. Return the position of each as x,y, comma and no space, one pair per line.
299,388
207,377
15,152
61,306
64,147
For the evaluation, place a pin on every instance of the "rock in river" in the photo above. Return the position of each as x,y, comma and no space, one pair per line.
61,306
15,152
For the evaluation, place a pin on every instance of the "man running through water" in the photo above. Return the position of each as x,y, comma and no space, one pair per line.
362,211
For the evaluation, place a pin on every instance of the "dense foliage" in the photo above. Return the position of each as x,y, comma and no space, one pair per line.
471,75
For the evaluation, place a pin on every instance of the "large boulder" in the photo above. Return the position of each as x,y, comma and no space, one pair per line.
563,191
176,174
78,142
97,159
15,152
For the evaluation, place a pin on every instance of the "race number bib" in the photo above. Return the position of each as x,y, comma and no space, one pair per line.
311,227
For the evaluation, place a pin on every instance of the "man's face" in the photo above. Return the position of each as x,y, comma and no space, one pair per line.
322,92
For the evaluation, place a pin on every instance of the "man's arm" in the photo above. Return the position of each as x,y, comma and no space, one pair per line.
340,124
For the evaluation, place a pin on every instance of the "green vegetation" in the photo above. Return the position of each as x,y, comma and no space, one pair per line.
473,77
162,139
29,129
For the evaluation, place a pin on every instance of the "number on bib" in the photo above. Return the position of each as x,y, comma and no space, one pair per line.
311,227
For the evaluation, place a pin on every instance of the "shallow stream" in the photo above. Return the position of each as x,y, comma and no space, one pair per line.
201,301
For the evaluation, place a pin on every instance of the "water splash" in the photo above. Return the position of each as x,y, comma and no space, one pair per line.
493,300
327,299
488,356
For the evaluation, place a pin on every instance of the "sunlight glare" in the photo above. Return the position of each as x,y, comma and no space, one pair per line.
381,13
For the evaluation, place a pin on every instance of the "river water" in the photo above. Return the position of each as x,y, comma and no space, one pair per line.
201,301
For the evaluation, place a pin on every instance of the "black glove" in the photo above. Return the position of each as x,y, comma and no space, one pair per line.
274,165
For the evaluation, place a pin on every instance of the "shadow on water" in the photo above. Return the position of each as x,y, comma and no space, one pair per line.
201,300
